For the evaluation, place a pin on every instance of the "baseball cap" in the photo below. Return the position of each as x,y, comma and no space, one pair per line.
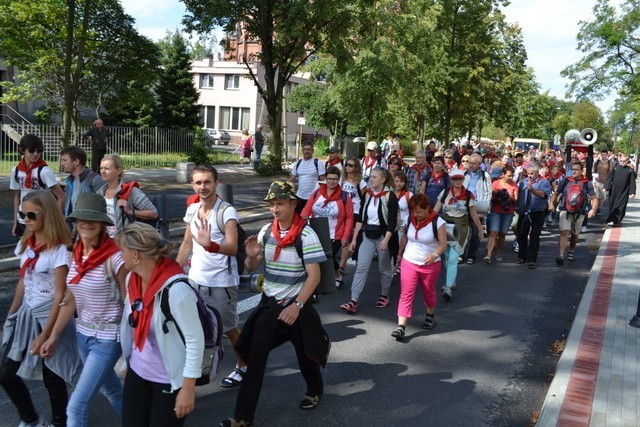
372,145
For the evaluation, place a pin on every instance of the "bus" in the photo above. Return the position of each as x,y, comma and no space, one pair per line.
528,144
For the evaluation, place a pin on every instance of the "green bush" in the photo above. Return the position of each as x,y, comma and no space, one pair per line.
199,154
321,147
269,166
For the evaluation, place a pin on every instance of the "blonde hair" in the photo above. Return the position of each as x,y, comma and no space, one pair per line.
145,239
55,230
117,162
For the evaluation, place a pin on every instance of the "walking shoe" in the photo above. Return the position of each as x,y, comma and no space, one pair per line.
570,256
560,260
487,260
234,378
583,229
398,334
339,283
350,307
531,265
519,261
446,294
309,402
471,261
231,422
429,321
499,258
383,301
516,247
452,287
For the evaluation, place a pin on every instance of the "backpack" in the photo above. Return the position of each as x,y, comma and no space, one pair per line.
446,193
42,184
574,195
241,254
114,292
211,326
315,163
160,223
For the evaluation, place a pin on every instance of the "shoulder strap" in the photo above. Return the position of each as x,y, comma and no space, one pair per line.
220,215
298,165
114,293
343,196
42,184
444,195
166,311
434,224
315,162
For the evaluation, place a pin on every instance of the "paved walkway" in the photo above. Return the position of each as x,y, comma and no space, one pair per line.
597,380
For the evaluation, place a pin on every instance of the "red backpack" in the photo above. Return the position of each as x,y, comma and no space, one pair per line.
574,195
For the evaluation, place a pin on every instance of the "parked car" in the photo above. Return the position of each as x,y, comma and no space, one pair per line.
217,137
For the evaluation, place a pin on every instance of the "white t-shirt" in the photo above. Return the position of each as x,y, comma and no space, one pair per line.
39,281
330,212
307,176
403,206
46,174
111,213
453,207
351,189
425,244
208,268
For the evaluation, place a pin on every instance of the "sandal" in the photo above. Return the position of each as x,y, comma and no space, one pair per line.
383,301
339,283
232,422
570,256
309,402
233,379
398,334
429,321
350,307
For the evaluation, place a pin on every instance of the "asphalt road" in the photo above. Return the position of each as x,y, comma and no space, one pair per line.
488,361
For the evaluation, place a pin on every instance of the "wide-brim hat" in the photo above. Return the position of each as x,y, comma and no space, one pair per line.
281,190
90,207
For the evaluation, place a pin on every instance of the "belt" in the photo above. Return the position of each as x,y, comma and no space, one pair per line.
98,326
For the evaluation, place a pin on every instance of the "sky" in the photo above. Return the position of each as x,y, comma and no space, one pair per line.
549,29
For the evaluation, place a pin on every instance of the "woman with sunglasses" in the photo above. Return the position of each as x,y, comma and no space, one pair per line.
464,163
95,290
32,173
159,387
403,195
126,202
35,309
395,164
352,183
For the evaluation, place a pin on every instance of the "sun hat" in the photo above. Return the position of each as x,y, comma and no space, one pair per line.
496,172
456,173
372,145
90,207
281,190
334,150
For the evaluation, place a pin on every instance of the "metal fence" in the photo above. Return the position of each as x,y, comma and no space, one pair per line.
139,147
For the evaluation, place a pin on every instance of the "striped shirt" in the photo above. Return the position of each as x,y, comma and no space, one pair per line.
94,302
283,279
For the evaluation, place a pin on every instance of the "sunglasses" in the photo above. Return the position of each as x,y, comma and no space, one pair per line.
448,157
136,308
465,161
350,165
33,215
395,163
35,150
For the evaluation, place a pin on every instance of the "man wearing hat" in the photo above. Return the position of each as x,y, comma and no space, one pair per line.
283,313
306,173
372,159
334,159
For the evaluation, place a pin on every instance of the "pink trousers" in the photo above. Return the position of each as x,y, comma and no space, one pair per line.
412,275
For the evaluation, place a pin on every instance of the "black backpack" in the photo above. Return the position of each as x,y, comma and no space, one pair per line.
160,223
241,254
42,184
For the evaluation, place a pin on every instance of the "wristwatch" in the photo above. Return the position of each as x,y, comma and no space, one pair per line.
298,304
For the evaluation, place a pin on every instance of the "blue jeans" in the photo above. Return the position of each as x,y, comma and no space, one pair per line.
99,356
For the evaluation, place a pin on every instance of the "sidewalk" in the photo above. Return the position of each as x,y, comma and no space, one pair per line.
597,379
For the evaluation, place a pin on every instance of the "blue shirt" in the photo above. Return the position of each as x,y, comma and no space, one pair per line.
535,203
473,181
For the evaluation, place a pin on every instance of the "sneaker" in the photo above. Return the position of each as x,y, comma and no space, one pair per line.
583,229
398,334
452,287
446,294
429,321
487,260
516,246
560,260
383,301
309,402
471,261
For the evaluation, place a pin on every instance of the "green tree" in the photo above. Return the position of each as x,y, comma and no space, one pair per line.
289,33
177,96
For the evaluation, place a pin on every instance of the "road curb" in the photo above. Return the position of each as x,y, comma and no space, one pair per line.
13,263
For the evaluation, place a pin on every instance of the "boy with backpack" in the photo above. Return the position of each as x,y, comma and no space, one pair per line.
214,268
575,191
32,173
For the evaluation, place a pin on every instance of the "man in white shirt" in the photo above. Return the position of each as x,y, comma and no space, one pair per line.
306,172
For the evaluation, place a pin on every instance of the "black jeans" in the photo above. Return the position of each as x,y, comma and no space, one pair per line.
269,333
19,394
529,228
474,240
145,403
96,158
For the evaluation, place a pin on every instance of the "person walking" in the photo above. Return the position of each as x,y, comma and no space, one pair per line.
95,284
245,147
436,181
353,184
99,136
378,222
621,186
283,313
420,251
159,387
478,182
81,179
36,304
503,203
533,197
306,173
258,145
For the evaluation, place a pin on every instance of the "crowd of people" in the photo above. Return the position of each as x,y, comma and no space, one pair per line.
108,270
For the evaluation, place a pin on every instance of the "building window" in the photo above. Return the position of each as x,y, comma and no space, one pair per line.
232,81
206,81
234,118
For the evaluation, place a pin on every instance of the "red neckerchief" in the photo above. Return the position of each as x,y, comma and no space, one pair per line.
126,188
435,177
418,226
333,162
334,197
451,164
459,197
419,169
194,198
367,161
558,175
96,257
547,176
22,167
375,196
291,235
33,253
162,271
403,193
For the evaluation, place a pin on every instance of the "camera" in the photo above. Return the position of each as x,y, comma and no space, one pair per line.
503,198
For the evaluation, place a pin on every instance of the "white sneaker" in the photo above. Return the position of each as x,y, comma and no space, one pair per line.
583,229
446,294
516,246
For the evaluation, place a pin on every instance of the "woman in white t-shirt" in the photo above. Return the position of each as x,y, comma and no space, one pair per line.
420,251
34,310
95,284
351,181
403,195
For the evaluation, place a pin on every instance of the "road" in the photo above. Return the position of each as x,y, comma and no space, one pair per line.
488,361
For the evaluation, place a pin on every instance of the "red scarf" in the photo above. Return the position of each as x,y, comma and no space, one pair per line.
369,161
291,235
419,226
458,197
375,196
164,269
31,260
334,197
403,193
418,168
22,167
126,188
96,257
333,162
